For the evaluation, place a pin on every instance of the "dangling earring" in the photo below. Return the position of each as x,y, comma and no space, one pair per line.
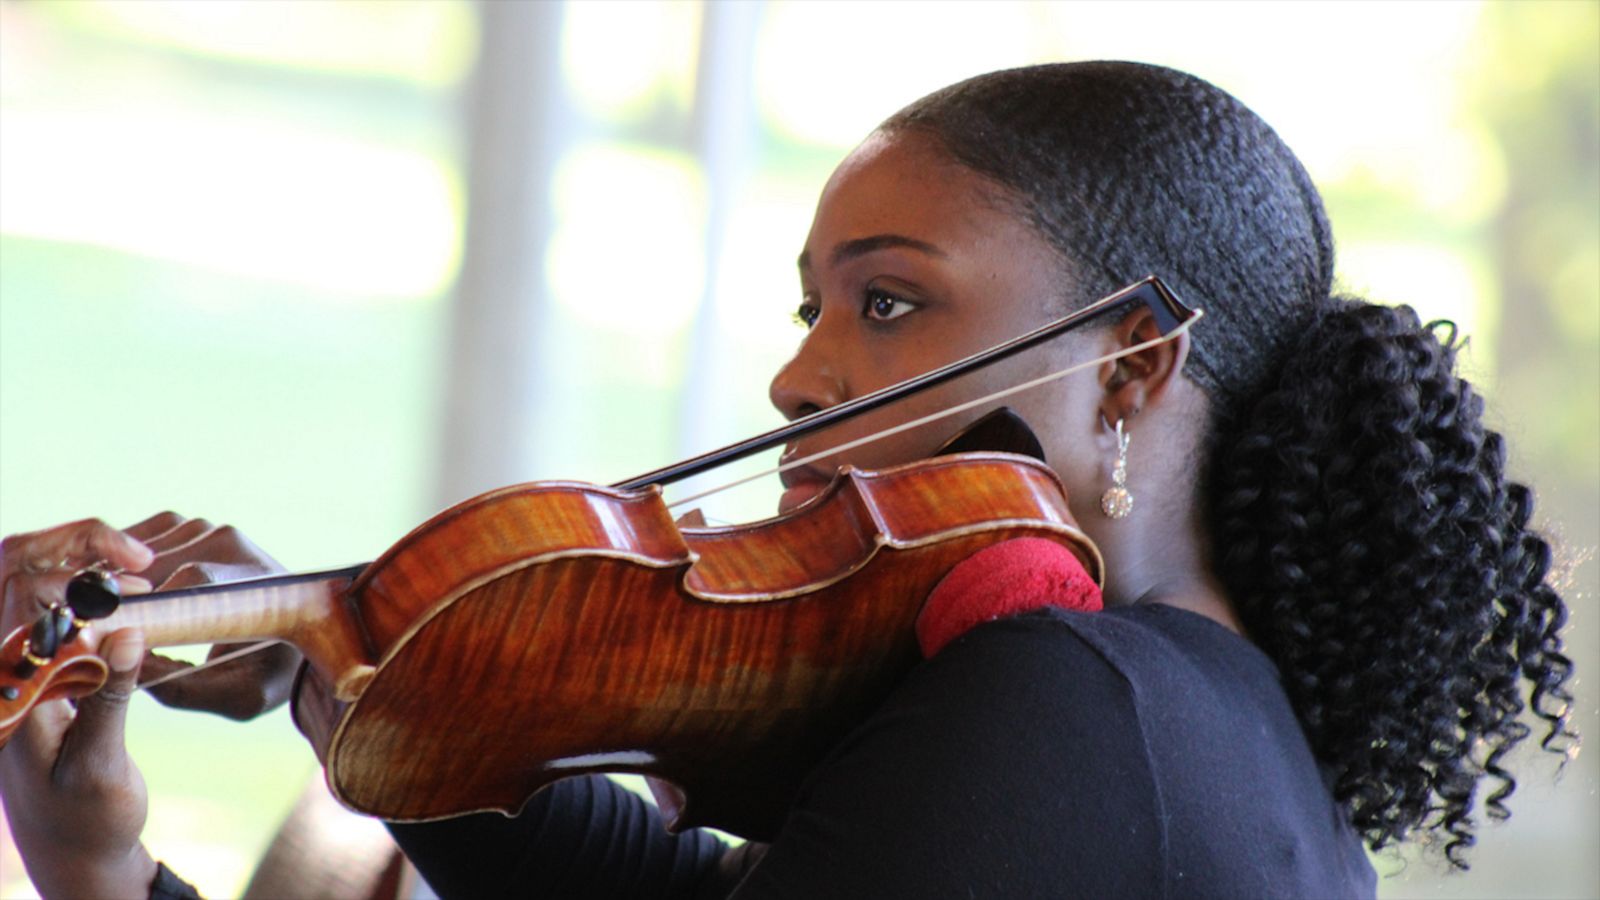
1116,502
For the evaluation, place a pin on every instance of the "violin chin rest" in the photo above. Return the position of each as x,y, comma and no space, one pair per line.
1006,579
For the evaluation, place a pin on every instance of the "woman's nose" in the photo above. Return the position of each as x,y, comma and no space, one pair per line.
812,380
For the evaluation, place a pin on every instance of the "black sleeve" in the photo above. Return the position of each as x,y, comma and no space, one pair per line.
168,886
580,837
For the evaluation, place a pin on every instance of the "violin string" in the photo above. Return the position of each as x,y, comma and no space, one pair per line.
201,667
943,413
805,460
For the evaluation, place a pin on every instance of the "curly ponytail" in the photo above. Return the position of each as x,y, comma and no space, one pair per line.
1358,509
1371,543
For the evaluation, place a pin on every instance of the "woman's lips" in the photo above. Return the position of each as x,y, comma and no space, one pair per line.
800,484
799,494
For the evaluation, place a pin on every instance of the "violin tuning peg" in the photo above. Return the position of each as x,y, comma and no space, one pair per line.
61,620
44,640
93,594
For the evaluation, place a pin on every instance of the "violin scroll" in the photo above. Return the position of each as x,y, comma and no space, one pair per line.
92,594
28,677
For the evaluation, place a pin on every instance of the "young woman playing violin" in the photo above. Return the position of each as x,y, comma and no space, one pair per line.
1324,611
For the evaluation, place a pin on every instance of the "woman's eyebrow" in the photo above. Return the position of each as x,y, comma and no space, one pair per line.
851,249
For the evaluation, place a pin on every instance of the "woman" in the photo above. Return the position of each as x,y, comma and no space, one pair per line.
1324,609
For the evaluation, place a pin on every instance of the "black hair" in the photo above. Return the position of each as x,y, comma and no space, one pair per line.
1357,508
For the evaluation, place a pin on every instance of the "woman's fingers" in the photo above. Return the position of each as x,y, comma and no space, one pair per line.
194,553
219,554
187,532
79,544
32,751
36,566
29,596
239,689
94,745
129,585
172,552
34,578
82,752
158,524
190,574
156,667
75,801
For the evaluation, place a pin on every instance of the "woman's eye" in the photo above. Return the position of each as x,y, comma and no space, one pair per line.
882,306
806,315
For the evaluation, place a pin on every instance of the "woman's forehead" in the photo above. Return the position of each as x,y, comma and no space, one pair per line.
903,184
904,163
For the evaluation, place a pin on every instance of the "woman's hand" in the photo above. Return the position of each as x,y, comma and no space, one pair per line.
35,567
75,800
189,552
168,551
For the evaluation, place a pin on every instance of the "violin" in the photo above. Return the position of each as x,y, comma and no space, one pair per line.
559,628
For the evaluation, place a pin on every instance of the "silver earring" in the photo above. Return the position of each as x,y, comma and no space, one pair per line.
1116,502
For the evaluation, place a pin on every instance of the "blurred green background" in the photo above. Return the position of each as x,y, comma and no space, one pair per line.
230,234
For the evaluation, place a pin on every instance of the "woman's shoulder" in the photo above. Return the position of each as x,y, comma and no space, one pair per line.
1148,643
1147,655
1147,733
1195,703
1240,795
1039,755
992,766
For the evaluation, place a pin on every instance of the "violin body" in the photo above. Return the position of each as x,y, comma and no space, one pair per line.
555,629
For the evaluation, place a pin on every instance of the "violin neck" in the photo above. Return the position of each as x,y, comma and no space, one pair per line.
306,610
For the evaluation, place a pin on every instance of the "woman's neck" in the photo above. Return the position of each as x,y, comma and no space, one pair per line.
1167,564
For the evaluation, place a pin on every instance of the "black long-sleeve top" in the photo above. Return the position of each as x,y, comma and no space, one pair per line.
1138,752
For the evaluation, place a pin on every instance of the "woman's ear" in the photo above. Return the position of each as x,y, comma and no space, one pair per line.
1140,380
